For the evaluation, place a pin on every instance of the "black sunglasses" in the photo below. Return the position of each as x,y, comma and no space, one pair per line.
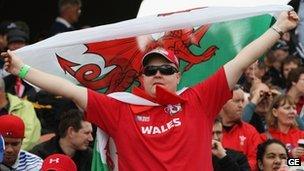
151,70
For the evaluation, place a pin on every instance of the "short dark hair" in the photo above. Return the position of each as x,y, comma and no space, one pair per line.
63,3
294,76
290,59
72,118
263,146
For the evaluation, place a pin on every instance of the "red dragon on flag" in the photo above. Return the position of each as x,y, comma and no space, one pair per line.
126,54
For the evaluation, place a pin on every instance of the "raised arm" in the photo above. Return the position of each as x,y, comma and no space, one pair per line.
45,81
234,68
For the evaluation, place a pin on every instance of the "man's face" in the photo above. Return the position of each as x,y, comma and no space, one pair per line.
169,82
288,67
74,12
234,107
82,138
280,54
12,148
217,132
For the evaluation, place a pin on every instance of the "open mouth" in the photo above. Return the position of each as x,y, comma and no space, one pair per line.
291,117
276,168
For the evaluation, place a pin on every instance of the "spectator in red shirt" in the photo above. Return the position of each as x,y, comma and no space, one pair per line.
167,130
282,125
295,87
239,135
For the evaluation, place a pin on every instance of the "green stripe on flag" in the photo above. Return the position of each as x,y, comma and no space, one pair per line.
97,164
230,37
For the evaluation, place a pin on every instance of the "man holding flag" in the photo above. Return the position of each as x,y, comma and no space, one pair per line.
157,128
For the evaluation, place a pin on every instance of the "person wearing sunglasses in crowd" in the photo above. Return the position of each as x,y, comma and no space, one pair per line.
158,127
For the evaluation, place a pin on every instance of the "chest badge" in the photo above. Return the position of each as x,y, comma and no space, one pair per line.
173,109
242,140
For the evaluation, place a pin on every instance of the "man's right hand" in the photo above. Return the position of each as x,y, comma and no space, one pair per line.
12,63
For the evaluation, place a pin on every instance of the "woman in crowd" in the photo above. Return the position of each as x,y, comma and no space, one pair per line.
271,155
295,89
282,125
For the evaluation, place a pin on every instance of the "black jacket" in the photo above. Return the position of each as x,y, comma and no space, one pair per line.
258,122
59,27
233,161
82,159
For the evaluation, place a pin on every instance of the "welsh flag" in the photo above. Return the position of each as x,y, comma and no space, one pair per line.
108,58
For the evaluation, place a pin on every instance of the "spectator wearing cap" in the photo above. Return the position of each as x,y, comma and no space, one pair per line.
23,109
74,136
5,26
17,38
58,162
12,129
69,12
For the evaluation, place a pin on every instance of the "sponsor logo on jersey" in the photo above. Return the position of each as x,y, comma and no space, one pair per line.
141,118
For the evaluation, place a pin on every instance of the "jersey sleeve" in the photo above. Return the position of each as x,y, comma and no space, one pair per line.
214,92
103,111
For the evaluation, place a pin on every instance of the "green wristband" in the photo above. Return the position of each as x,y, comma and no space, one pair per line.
23,71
